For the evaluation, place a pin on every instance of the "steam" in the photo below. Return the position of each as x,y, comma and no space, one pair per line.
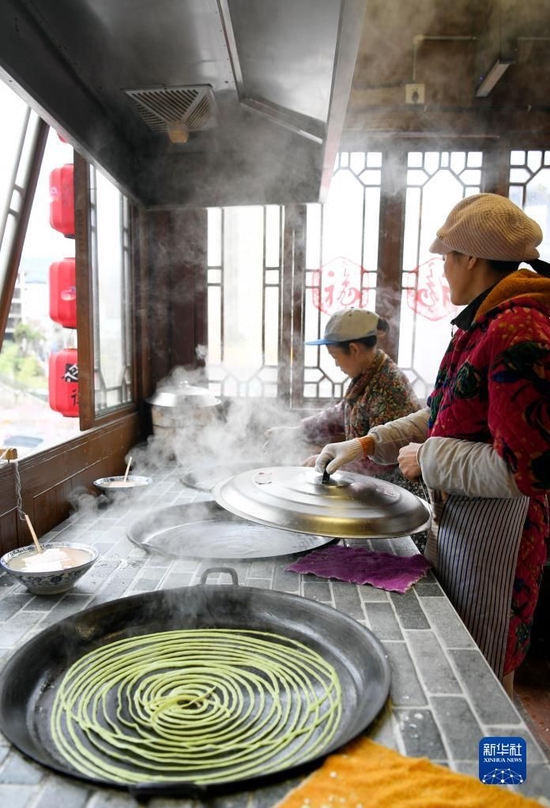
207,444
206,441
201,352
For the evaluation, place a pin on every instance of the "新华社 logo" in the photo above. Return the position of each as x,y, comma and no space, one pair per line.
502,760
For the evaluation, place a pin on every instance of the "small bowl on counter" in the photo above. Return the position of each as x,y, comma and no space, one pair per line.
54,570
121,483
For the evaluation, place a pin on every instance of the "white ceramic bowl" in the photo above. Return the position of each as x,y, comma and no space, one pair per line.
121,484
57,579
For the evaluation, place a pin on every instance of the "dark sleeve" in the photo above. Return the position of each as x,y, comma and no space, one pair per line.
326,426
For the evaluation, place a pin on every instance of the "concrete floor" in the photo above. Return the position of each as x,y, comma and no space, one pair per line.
532,679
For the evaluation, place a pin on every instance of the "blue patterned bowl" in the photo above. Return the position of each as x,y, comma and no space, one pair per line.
55,580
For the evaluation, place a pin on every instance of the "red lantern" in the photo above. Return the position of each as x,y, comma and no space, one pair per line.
62,199
63,292
63,382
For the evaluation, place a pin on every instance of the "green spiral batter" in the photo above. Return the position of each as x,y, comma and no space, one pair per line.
198,705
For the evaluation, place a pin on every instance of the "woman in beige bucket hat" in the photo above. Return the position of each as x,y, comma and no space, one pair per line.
482,445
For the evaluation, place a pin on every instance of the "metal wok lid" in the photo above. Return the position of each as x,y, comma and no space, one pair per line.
347,506
183,394
205,475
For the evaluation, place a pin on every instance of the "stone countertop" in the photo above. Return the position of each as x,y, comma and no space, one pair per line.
444,697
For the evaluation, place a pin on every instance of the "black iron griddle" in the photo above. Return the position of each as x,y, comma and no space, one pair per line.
29,679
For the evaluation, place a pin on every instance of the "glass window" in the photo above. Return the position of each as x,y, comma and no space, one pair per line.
341,260
435,182
336,266
27,420
39,392
245,276
110,258
244,289
530,189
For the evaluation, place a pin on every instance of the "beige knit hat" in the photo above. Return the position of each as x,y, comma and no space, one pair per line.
489,226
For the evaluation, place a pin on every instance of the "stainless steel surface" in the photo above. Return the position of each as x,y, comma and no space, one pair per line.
119,483
204,530
277,75
204,476
348,506
179,409
183,394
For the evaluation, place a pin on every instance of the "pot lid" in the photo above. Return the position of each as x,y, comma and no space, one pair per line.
183,394
204,476
204,530
346,506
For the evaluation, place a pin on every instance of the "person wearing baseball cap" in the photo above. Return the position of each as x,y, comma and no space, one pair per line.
378,391
348,325
482,445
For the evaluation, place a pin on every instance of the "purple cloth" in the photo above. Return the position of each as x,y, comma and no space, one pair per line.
357,565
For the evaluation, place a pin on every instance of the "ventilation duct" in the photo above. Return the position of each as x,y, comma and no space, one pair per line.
176,110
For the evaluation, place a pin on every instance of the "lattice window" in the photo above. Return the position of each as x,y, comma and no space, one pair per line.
244,293
435,182
341,261
530,189
250,259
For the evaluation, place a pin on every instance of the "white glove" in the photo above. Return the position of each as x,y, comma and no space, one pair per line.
335,455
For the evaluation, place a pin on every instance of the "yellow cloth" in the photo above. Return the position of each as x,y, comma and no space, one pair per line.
367,775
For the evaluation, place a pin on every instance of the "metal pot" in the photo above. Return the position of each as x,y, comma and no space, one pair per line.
178,406
31,677
182,394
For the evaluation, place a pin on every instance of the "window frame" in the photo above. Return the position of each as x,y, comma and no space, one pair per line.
89,418
389,288
46,479
16,248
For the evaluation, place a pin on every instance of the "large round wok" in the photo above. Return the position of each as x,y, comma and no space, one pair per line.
31,676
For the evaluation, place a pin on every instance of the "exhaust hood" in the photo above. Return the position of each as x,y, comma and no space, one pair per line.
191,102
